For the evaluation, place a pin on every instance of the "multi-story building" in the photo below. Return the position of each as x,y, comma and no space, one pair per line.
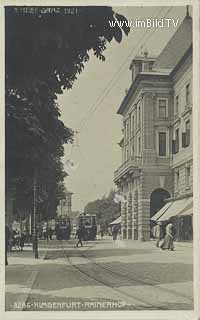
157,141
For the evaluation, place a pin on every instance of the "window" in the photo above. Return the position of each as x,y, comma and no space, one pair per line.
127,154
187,176
139,118
162,108
177,180
136,116
187,131
177,105
186,135
133,124
177,141
130,120
127,129
124,132
139,146
187,94
133,149
162,143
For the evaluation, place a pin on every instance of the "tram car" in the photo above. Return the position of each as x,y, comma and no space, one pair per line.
88,223
63,228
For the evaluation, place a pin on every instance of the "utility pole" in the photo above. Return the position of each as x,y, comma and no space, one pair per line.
35,239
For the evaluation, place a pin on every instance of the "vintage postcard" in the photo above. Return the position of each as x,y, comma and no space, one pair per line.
100,131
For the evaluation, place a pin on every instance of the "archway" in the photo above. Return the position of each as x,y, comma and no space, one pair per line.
157,200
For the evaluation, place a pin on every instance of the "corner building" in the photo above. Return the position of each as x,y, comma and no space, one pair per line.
157,142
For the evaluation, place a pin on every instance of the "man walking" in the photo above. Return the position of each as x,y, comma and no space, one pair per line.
80,235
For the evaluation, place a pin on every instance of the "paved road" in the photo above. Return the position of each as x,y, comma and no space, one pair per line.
100,276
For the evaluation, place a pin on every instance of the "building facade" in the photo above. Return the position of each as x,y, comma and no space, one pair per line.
157,140
65,205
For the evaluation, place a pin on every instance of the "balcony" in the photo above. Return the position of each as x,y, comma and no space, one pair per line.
127,167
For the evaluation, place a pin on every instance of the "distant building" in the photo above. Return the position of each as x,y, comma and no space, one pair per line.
157,140
65,205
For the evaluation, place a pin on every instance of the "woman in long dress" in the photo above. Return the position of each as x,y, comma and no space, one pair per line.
168,242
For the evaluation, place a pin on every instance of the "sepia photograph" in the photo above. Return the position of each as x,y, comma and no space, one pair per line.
99,160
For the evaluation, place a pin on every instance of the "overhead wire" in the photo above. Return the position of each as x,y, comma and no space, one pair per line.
110,85
121,70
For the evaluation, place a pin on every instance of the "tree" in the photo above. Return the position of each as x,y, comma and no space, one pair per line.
106,209
46,49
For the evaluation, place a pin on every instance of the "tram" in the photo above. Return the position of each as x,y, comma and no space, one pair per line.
88,222
63,228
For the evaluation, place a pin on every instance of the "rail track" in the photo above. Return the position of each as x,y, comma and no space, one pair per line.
131,298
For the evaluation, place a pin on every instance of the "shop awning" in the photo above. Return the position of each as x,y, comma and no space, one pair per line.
188,210
175,209
116,221
161,211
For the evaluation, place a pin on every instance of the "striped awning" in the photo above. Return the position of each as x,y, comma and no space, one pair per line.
116,221
188,210
161,211
176,208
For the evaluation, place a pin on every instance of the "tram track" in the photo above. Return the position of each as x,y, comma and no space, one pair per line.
115,273
124,295
140,281
128,278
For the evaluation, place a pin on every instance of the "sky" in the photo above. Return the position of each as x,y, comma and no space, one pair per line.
90,107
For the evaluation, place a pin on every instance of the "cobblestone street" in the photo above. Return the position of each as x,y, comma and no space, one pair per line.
103,275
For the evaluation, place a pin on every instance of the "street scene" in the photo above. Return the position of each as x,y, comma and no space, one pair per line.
99,158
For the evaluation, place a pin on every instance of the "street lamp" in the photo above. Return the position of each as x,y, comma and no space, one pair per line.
35,239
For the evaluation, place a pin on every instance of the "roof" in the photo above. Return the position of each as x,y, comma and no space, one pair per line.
176,47
135,84
174,51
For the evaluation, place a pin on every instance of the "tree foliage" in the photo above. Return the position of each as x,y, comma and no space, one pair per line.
45,53
106,209
48,51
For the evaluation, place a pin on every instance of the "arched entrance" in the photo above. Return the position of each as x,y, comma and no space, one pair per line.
157,199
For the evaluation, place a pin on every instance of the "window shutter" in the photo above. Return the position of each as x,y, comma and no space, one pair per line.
184,139
173,146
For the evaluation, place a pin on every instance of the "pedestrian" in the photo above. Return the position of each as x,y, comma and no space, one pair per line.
80,235
16,239
168,242
57,231
101,233
44,231
50,233
115,232
22,241
7,239
158,233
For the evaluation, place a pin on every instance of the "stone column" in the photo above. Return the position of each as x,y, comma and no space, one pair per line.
143,219
135,216
123,219
129,216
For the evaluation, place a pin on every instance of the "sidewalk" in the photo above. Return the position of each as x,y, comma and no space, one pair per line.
26,256
187,244
21,272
